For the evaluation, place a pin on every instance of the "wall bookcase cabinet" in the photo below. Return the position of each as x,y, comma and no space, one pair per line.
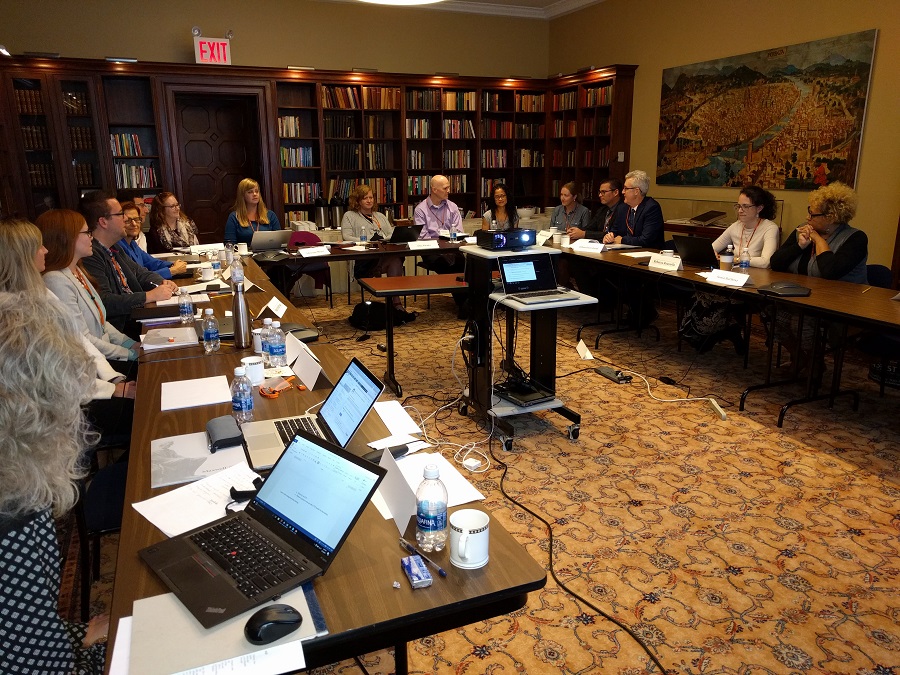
73,125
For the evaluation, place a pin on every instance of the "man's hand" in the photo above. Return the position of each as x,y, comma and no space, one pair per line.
575,233
161,292
178,267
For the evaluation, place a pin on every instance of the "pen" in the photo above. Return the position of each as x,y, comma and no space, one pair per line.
412,549
868,289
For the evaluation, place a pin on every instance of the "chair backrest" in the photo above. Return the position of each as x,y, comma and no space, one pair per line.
880,276
304,239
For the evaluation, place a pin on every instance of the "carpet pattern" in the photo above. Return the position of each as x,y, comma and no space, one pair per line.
729,547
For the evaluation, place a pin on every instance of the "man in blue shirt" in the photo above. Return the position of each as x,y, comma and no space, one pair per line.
164,268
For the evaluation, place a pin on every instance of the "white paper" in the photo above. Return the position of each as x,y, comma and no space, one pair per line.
203,286
637,254
357,247
591,245
583,351
197,503
192,393
306,366
459,489
193,266
203,248
185,458
168,254
284,371
169,338
275,306
395,418
196,298
118,664
896,297
391,441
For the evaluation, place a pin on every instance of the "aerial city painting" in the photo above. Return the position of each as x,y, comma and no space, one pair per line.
787,118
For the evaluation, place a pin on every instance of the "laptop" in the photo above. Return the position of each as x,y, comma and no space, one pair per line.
336,420
403,234
530,279
289,533
269,240
696,251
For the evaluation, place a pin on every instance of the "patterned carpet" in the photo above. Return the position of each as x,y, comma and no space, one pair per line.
729,547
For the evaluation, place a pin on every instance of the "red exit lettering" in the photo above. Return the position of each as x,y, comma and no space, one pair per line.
213,51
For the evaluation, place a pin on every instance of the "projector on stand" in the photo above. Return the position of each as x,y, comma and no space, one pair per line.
505,240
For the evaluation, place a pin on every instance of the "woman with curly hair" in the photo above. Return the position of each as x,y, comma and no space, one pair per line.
170,228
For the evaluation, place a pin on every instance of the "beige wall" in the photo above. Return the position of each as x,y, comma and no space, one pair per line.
277,33
659,34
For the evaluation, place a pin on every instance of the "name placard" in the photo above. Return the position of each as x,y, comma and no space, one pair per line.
665,263
727,278
422,244
273,310
313,251
212,50
588,245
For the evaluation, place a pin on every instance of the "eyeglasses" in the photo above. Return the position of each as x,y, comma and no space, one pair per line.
814,215
604,192
499,195
114,215
90,235
633,187
136,221
173,206
743,207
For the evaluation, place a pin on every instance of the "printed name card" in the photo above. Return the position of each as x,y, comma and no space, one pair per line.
543,236
422,244
275,309
314,251
727,278
588,246
665,263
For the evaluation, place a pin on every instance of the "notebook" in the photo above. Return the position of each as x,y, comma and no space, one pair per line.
337,420
530,279
696,251
403,234
289,533
268,240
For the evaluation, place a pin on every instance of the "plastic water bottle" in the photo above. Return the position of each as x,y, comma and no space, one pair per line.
452,234
745,259
216,261
237,269
493,223
211,341
363,239
431,511
185,307
264,340
277,352
241,396
726,259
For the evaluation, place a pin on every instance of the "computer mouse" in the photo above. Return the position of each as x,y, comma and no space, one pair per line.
270,623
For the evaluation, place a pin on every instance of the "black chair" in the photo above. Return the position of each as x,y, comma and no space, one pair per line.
98,512
875,344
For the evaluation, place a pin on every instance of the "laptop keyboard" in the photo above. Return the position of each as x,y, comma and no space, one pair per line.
538,294
288,428
254,562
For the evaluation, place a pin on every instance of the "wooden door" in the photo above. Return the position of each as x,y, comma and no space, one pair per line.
217,145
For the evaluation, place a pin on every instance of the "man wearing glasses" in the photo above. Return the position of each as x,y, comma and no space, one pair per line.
164,268
643,222
123,284
612,210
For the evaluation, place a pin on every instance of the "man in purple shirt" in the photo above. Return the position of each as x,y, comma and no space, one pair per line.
435,213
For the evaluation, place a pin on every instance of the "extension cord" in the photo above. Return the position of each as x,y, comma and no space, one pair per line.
613,375
718,409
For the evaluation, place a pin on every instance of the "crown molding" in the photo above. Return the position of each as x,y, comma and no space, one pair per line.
551,11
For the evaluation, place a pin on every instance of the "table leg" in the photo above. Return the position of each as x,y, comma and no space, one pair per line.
389,379
401,662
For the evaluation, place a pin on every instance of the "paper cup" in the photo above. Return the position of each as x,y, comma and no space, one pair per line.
257,340
242,249
253,365
565,240
557,238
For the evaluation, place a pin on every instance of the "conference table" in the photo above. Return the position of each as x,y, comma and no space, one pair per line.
363,611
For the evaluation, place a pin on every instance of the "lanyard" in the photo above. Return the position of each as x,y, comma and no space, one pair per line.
87,288
115,264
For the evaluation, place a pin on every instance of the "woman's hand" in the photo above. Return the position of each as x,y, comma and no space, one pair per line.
97,630
804,236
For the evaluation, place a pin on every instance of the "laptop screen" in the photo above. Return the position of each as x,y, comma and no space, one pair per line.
349,402
521,273
317,492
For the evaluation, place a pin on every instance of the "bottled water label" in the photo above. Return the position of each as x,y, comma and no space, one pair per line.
277,349
432,522
210,334
239,404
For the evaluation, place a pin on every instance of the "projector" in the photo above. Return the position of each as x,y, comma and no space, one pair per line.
505,240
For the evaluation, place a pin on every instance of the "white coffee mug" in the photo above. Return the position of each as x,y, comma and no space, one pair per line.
557,238
207,272
257,340
667,251
469,538
565,240
254,368
242,248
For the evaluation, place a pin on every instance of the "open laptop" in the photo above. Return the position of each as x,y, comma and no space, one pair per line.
403,234
269,240
336,421
289,533
696,251
530,279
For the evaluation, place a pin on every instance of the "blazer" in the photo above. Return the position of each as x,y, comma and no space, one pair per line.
647,225
89,321
595,230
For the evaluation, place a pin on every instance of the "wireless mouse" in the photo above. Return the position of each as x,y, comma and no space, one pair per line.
270,623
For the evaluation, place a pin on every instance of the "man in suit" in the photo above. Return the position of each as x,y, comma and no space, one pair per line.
643,222
612,210
122,283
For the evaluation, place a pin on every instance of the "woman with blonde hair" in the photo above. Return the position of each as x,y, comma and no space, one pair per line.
170,228
47,375
250,215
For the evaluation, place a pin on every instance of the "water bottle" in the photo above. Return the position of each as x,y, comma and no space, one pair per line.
229,254
493,223
726,259
431,511
241,396
277,351
452,234
745,259
264,341
363,239
237,269
185,307
211,341
239,315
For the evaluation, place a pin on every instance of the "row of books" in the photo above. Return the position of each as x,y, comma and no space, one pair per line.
385,189
457,159
125,145
84,174
381,97
41,175
496,129
342,156
298,157
492,102
597,158
376,127
598,96
460,100
595,126
340,125
297,215
35,137
458,129
529,159
418,185
418,127
564,128
529,102
565,101
301,193
135,176
558,158
291,126
81,138
341,187
76,103
415,159
340,97
493,159
379,156
28,102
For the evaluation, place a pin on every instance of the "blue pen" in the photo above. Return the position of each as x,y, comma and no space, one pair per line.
412,549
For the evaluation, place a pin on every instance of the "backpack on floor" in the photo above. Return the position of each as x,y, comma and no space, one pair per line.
369,315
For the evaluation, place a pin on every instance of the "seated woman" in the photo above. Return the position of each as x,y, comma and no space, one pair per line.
362,219
46,377
826,246
711,318
570,213
502,215
67,239
130,243
169,227
249,215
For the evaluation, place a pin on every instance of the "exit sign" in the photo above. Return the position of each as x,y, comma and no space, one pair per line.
212,50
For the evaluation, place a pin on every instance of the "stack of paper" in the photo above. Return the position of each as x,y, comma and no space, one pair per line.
169,338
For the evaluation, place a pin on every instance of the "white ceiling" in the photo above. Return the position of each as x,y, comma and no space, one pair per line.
529,9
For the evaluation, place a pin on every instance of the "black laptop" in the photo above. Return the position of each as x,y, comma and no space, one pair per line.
696,251
404,234
289,533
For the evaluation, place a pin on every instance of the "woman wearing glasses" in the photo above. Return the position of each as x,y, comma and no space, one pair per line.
502,215
169,227
753,229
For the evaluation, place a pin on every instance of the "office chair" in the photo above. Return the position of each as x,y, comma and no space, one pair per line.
319,270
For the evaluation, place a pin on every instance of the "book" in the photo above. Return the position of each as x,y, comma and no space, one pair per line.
707,218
